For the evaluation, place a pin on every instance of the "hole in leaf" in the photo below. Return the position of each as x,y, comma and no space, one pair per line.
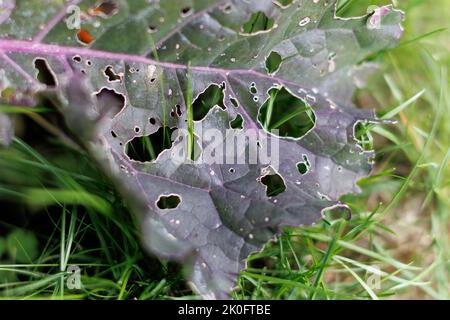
45,75
338,212
258,22
186,11
291,116
304,166
148,148
274,184
110,101
227,8
84,37
361,132
168,202
234,102
273,62
178,110
284,3
112,76
212,96
105,9
237,123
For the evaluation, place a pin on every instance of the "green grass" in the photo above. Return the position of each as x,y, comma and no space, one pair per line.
398,234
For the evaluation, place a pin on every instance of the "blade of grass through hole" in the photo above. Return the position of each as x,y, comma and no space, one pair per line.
190,115
256,20
288,117
147,146
163,97
273,96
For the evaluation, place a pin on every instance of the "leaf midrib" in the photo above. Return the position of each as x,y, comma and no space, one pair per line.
22,46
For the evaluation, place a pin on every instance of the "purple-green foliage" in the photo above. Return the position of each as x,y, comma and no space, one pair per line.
139,57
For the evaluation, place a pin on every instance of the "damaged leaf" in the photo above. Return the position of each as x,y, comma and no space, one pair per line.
180,68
